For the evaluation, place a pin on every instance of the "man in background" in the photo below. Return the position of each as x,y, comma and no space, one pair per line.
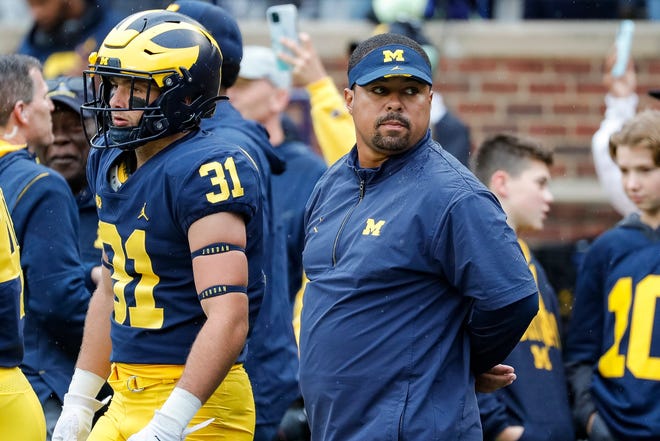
272,359
68,155
65,32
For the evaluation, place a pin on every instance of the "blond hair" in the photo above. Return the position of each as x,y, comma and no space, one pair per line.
643,130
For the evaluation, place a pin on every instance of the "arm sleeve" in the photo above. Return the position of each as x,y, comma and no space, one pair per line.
585,333
333,125
54,275
618,111
579,379
494,333
494,417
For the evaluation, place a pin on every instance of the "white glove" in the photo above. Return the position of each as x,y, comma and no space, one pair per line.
163,427
169,423
75,421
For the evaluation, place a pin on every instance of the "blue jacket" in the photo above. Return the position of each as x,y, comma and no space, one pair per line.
45,217
454,136
291,190
401,259
89,243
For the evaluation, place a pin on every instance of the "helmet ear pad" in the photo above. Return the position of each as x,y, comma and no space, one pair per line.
187,111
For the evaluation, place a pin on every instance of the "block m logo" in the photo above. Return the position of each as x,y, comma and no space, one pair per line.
389,56
373,228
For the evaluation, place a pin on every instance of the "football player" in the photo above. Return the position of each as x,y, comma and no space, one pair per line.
613,346
180,214
45,217
22,417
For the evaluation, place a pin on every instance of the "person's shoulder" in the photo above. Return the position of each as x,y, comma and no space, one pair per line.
28,47
97,157
624,228
613,241
103,15
301,153
233,128
207,147
449,119
25,165
38,182
448,171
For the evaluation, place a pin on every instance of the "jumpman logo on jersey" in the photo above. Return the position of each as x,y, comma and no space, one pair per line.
143,213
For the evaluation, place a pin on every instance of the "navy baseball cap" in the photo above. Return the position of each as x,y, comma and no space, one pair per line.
68,91
390,60
220,24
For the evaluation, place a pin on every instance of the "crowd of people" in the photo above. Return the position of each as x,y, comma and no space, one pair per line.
178,264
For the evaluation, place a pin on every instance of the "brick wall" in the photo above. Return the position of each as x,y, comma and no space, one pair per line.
559,101
538,78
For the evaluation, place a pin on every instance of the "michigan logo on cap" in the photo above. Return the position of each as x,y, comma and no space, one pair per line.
389,56
388,61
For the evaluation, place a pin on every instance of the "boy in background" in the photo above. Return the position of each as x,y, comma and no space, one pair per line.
536,406
613,347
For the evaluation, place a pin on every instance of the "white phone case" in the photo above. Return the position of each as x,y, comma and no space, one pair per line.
282,22
623,43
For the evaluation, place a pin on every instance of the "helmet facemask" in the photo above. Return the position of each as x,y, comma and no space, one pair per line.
176,58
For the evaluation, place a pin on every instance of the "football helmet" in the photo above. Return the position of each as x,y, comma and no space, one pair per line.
169,51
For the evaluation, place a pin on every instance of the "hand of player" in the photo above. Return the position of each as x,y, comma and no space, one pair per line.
75,421
163,427
497,377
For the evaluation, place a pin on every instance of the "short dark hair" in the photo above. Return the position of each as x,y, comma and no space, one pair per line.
643,130
510,153
380,40
16,84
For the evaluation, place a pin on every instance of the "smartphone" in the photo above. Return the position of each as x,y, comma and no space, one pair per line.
282,22
623,43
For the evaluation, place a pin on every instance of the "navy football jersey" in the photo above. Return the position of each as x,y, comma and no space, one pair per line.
11,292
144,229
616,328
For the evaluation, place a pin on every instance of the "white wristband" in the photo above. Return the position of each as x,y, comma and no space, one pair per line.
181,406
85,383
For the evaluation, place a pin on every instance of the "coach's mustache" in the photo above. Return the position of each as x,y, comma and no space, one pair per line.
393,116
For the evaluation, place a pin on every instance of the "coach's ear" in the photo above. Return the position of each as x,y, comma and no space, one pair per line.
348,99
